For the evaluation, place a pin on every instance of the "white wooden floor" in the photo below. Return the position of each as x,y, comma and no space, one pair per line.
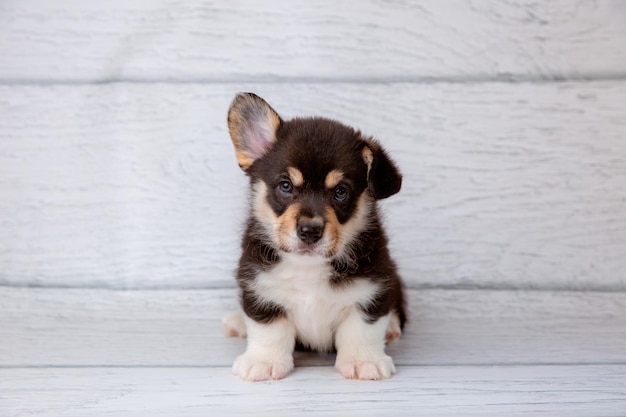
89,352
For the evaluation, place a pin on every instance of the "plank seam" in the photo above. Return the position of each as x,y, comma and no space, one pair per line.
425,365
600,289
502,78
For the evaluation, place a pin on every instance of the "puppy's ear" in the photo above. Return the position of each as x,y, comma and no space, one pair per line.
383,177
252,124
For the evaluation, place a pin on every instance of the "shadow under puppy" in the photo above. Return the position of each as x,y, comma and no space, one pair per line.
315,268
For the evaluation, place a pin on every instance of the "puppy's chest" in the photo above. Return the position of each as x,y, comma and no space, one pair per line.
301,285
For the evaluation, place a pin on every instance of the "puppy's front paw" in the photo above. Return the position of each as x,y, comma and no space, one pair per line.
376,366
256,367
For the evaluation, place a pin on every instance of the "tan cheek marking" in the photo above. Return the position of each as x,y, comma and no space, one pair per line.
333,178
296,176
347,232
286,225
262,210
332,231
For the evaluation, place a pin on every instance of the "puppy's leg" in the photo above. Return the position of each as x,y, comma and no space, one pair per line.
234,325
361,348
269,354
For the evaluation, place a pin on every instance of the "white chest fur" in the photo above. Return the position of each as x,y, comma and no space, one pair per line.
300,284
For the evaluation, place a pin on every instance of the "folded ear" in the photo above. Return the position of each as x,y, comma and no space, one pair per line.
383,177
252,124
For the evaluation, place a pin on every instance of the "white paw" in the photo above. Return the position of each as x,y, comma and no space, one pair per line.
254,367
233,324
379,366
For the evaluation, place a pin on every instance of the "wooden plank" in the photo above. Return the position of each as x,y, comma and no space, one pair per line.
431,391
86,41
136,186
63,327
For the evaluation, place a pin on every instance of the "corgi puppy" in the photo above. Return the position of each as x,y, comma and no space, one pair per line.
315,271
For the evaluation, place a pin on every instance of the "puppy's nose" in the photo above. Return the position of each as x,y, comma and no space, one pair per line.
310,231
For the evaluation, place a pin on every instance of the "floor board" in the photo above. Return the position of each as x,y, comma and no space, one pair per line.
87,327
589,390
89,352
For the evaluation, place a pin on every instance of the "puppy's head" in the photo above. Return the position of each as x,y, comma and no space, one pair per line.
314,181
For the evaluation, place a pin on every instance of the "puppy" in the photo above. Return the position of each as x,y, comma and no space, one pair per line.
315,271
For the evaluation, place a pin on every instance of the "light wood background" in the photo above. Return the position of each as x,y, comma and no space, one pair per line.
121,200
508,120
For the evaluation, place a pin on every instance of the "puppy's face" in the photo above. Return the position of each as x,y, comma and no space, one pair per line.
314,181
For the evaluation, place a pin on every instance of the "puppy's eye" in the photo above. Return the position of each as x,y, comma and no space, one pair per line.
341,194
285,187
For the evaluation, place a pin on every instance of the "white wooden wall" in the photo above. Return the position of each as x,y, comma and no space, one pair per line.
508,119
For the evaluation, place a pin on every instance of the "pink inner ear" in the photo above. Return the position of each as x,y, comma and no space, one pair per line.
259,137
258,145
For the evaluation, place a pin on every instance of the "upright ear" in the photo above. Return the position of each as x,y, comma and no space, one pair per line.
252,124
383,177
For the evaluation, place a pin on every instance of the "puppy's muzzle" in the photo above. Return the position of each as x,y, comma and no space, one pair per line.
310,231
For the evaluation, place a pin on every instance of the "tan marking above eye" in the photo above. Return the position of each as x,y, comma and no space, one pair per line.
333,178
295,176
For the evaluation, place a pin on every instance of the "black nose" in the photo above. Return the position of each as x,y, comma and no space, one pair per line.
310,231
